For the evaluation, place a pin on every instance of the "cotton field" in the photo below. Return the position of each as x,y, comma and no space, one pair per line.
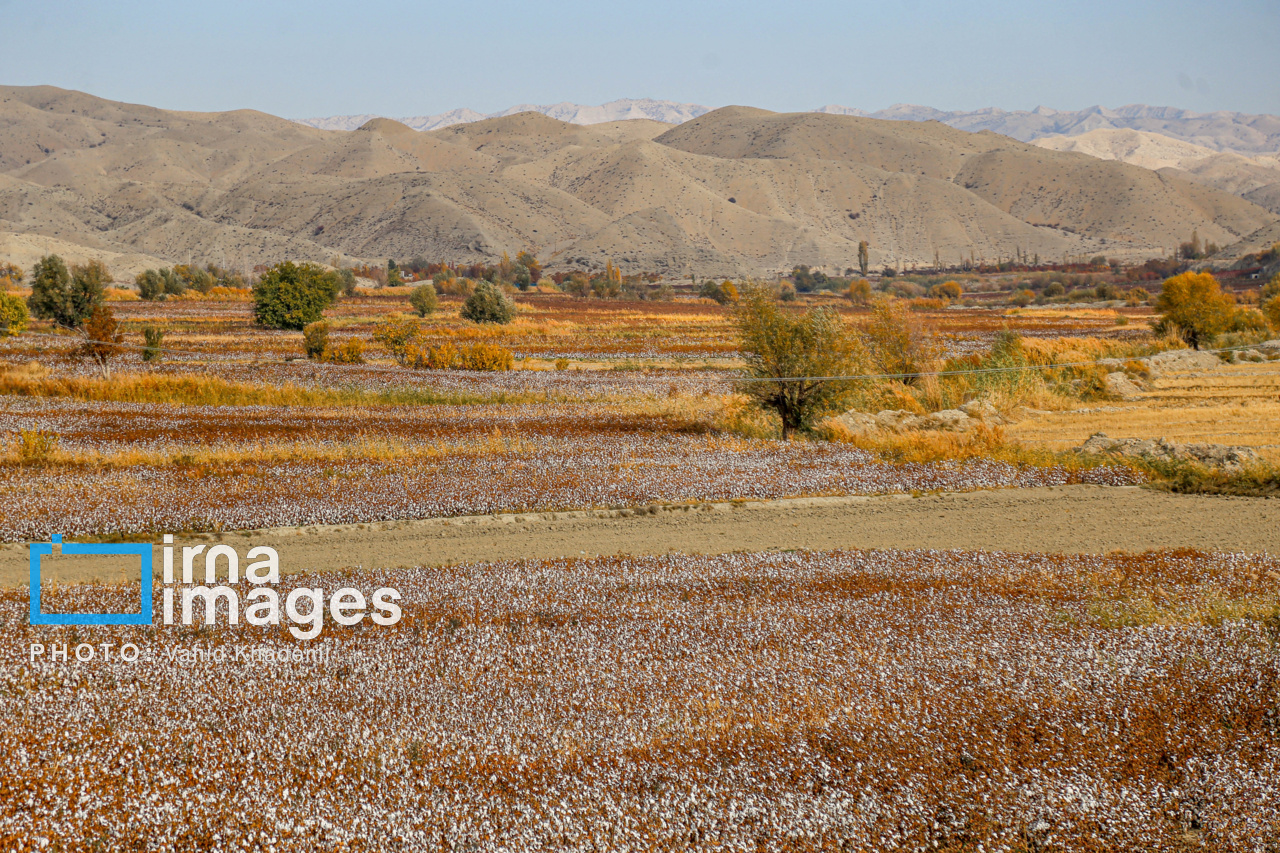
795,701
283,466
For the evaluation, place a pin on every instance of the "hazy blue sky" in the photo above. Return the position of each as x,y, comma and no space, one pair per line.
331,57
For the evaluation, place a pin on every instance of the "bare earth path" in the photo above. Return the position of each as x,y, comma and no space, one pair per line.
1067,519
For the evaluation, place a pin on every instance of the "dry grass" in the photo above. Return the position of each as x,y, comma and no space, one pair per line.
1233,404
34,380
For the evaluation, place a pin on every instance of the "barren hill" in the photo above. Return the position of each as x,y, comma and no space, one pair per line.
1234,173
735,191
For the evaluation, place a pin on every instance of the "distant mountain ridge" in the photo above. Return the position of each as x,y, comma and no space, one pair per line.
1241,133
623,109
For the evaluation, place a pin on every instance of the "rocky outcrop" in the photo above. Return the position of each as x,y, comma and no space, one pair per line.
1226,457
1120,385
966,418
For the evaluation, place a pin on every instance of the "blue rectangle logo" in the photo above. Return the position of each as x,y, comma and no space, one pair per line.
141,551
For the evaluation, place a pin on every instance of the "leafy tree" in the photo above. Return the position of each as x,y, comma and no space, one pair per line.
864,257
1271,310
290,296
423,299
154,284
790,358
67,297
13,315
899,345
531,265
394,278
1195,305
154,339
488,305
1270,290
347,281
10,275
102,338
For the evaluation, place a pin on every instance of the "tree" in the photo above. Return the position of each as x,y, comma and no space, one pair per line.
1195,305
946,290
102,338
798,365
899,345
347,281
10,275
864,257
488,305
394,278
67,297
13,315
1271,310
423,299
530,263
290,296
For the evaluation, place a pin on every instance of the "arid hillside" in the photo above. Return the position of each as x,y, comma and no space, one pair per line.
735,191
1256,178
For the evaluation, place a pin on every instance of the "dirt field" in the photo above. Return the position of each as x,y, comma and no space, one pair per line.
1065,519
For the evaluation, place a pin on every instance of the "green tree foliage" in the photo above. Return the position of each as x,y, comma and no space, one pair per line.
423,299
1193,303
394,279
67,297
488,305
13,315
157,284
347,281
1271,310
864,257
291,296
789,356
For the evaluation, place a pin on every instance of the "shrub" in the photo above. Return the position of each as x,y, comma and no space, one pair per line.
667,293
1022,298
292,296
780,347
315,338
423,299
350,351
484,356
562,364
1196,305
441,357
488,304
946,290
154,338
396,334
13,315
1136,296
36,447
860,292
1055,288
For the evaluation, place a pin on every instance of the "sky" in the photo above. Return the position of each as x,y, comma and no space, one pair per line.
334,57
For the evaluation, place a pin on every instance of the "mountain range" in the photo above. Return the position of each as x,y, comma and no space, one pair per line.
734,191
1241,133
